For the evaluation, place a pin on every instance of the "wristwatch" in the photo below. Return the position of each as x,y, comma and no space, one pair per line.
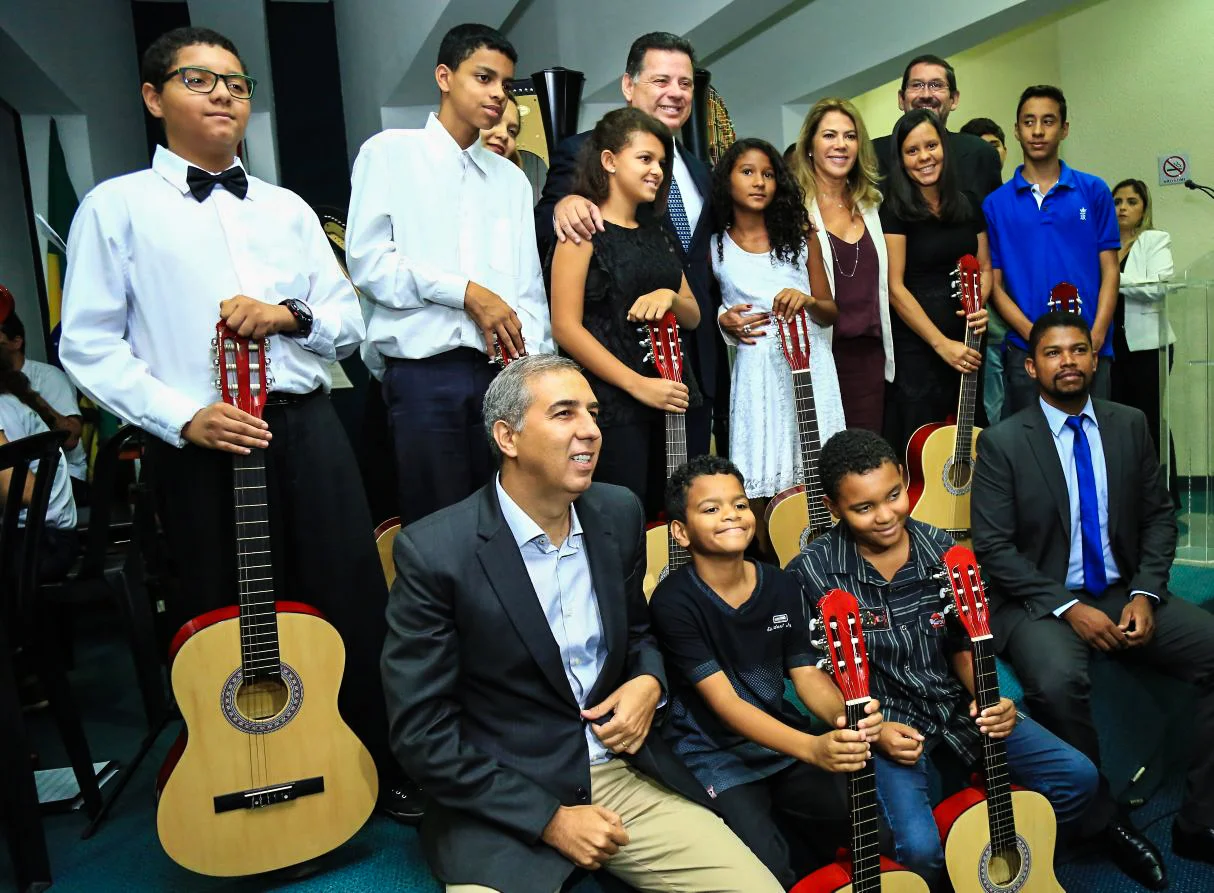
303,317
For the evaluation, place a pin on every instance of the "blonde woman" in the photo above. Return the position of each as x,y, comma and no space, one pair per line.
837,170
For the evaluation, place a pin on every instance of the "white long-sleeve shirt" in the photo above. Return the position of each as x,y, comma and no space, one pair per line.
426,218
148,266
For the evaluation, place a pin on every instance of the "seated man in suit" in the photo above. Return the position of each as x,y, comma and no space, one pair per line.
522,678
659,78
1075,531
929,82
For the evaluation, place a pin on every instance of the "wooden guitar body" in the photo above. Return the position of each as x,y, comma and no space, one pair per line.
939,487
837,878
270,775
964,826
786,523
657,556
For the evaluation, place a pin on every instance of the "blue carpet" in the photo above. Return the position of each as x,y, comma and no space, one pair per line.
125,854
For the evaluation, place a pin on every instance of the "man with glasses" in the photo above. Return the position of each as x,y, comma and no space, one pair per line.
929,82
658,79
158,257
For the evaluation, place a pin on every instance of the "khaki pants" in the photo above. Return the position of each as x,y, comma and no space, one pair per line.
674,845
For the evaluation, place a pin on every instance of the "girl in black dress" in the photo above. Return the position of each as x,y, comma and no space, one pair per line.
929,223
604,290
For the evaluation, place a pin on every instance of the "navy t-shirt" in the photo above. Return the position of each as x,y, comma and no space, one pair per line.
755,645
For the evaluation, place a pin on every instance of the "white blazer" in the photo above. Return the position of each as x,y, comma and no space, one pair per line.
872,221
1147,265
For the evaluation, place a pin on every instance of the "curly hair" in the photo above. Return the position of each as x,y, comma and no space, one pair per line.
15,383
786,217
852,451
679,484
612,134
903,197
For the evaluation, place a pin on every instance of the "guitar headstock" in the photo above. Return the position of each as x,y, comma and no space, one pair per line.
244,369
965,579
501,357
967,283
794,340
665,350
845,643
1065,296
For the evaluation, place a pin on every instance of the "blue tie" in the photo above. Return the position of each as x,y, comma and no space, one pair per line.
1094,579
678,214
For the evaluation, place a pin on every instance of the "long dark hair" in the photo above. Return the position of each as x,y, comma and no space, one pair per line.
613,133
15,383
786,217
903,196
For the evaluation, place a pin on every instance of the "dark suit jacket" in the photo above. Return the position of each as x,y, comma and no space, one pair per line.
706,344
481,713
977,162
1021,515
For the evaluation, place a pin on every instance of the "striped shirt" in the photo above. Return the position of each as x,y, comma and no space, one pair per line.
909,639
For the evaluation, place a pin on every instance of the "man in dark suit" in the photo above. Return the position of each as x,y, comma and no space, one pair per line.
522,678
1075,531
929,82
658,80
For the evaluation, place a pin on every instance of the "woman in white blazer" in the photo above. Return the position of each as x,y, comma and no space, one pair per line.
837,168
1139,333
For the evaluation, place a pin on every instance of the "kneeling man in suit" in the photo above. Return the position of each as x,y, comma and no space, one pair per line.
522,677
1075,530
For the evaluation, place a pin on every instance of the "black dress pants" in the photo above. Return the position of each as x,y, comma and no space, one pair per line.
1052,663
322,548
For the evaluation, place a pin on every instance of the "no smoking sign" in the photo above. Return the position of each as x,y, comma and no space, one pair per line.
1174,169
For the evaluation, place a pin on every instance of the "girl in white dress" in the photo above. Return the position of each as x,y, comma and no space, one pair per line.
768,267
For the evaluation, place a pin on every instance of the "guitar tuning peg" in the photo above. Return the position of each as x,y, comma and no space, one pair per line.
815,624
218,384
215,342
824,665
819,644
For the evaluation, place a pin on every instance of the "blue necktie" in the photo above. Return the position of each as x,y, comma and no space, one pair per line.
678,214
1094,579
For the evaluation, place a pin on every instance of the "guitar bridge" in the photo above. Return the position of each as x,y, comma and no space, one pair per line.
258,798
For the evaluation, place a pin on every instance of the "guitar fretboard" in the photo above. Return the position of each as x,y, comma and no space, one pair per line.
255,573
994,754
967,402
865,824
676,455
810,446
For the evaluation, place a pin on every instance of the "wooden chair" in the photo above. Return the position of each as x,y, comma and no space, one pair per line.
385,535
23,613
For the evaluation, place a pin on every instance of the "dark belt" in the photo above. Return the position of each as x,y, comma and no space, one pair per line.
465,354
280,398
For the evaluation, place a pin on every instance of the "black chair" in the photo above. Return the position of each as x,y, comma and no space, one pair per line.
22,614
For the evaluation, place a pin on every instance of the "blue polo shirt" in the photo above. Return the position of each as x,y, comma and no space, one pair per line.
1036,248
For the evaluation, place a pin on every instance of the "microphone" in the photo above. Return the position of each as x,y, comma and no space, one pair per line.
1191,184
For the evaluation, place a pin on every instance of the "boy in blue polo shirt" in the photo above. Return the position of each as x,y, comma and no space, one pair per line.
1049,224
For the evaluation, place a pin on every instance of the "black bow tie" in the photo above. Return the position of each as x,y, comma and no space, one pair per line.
201,183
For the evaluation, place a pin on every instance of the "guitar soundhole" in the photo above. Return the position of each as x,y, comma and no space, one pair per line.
958,476
1005,871
263,699
261,706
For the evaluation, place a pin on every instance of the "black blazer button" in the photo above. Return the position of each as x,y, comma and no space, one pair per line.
581,795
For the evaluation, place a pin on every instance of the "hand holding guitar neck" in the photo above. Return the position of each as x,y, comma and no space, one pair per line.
496,319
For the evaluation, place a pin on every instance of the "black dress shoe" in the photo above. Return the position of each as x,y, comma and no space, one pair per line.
404,802
1197,844
1135,855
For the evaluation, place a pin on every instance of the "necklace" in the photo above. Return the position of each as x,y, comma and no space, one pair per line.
834,254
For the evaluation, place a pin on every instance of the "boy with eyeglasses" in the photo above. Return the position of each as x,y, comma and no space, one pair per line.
157,258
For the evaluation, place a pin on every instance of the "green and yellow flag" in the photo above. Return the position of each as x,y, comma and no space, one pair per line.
61,208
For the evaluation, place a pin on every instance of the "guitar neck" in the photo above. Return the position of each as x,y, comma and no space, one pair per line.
811,446
676,455
255,572
994,753
865,823
967,404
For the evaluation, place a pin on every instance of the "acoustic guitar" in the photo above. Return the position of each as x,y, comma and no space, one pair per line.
940,458
795,516
501,357
867,871
997,838
662,554
266,773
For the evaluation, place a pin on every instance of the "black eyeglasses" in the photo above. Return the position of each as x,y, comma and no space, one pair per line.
203,80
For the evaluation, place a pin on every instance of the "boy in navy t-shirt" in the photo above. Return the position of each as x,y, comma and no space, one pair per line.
732,631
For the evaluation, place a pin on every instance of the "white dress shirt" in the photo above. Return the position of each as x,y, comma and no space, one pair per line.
561,578
426,218
18,421
148,266
53,386
693,202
